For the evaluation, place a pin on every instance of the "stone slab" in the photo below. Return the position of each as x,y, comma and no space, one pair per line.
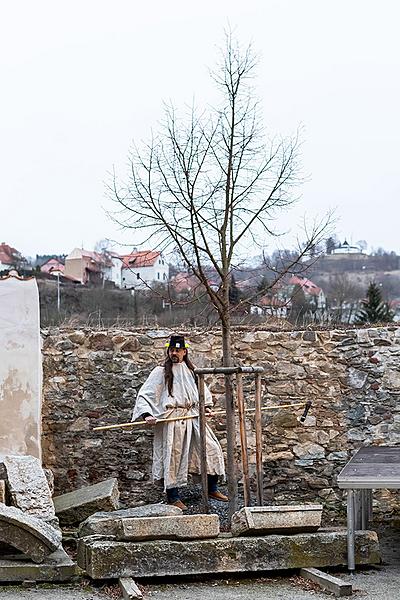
28,486
74,507
263,520
338,587
108,523
129,589
20,368
30,535
2,491
181,527
103,559
56,567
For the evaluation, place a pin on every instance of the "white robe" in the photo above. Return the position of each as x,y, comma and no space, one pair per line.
176,445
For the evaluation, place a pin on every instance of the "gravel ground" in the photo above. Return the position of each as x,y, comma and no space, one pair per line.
382,583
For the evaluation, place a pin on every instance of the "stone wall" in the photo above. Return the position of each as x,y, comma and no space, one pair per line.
352,377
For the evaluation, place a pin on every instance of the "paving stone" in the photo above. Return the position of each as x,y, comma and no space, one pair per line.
30,535
57,567
108,523
105,559
181,527
28,487
261,520
74,507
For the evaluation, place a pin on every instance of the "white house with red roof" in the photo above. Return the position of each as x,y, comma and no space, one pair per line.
311,291
142,269
53,264
9,257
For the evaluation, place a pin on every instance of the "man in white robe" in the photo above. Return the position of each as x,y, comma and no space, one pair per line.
171,391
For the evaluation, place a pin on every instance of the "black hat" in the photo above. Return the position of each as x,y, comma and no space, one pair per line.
176,341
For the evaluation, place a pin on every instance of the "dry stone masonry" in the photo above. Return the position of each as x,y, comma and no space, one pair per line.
352,377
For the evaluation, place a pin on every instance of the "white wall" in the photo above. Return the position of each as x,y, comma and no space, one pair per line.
135,277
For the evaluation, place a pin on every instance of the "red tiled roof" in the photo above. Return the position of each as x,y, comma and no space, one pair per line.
8,254
144,258
308,286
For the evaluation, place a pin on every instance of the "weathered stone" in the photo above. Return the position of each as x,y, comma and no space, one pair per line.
107,559
262,520
28,487
100,341
309,451
284,418
130,345
57,567
30,535
181,527
2,491
74,507
356,378
77,337
108,523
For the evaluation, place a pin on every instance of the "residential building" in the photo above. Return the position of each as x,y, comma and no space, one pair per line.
52,264
86,266
142,269
10,258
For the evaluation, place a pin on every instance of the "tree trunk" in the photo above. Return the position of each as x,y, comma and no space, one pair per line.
231,469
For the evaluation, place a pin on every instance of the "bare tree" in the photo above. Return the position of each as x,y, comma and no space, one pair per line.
209,185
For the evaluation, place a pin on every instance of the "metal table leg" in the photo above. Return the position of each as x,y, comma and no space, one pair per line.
350,531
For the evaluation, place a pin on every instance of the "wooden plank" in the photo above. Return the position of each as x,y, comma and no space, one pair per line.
243,438
259,440
327,582
129,589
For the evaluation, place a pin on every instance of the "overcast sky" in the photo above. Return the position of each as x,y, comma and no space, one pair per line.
81,79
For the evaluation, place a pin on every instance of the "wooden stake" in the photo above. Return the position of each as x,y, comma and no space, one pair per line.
258,428
203,444
243,438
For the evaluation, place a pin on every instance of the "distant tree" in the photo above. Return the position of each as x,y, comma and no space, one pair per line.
374,309
300,306
331,244
263,286
234,292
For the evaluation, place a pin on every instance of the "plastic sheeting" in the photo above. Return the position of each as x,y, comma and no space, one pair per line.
20,367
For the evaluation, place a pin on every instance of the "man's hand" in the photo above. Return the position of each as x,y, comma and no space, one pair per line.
150,421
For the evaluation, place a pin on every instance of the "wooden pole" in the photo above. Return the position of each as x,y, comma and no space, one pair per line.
243,438
217,412
258,428
231,467
203,445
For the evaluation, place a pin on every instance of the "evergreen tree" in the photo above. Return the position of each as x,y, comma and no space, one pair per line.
234,292
263,285
374,309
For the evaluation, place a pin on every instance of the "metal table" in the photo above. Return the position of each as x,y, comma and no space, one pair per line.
370,468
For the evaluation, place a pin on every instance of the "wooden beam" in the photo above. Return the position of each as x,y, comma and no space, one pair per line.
327,582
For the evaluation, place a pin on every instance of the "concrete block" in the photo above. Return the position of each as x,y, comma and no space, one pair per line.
108,559
182,527
74,507
30,535
129,589
338,587
108,523
57,567
28,487
263,520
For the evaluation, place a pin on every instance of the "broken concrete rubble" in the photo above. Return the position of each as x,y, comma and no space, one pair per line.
108,523
32,536
182,527
104,559
74,507
262,520
28,487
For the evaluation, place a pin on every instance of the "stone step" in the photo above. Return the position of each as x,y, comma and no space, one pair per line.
32,536
57,567
74,507
108,559
289,519
109,523
181,527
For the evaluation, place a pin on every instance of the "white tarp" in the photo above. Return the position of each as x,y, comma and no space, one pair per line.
20,367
